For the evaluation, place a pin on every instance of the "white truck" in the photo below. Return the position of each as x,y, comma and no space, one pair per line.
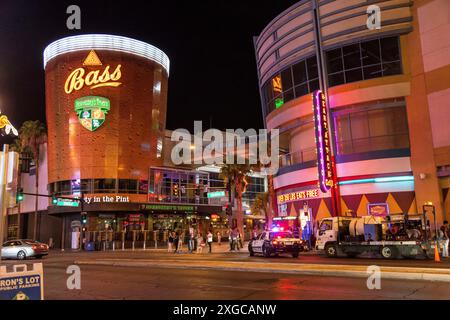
392,237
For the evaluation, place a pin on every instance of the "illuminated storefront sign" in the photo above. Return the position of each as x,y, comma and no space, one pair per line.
95,78
92,111
299,195
378,209
277,89
167,207
6,126
216,194
323,142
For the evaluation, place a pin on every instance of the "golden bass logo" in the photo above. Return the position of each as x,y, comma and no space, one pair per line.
94,79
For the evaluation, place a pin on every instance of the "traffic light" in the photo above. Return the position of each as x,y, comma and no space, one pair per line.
19,195
54,200
84,218
175,192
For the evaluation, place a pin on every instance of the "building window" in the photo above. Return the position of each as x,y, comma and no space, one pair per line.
363,61
104,186
371,129
127,186
293,82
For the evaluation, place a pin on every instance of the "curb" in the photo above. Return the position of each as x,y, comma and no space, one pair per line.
421,274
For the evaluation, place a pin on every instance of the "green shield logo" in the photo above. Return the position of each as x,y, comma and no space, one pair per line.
92,111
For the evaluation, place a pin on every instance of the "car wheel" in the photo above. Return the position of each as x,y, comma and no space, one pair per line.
389,252
295,254
250,251
266,252
331,251
21,255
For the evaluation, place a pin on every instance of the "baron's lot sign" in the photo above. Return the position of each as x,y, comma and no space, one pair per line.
22,285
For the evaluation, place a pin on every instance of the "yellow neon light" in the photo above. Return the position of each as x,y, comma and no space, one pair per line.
92,59
77,79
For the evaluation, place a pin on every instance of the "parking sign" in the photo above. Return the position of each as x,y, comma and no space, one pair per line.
27,284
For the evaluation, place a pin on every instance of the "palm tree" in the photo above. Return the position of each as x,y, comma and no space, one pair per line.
32,134
262,204
236,175
271,198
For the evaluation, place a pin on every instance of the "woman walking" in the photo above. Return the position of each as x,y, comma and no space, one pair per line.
170,242
200,243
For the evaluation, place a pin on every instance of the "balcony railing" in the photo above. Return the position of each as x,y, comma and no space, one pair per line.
374,143
298,157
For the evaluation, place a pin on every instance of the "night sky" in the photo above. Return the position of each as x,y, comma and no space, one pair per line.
209,43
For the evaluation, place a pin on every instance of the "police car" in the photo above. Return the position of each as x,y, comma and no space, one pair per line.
275,242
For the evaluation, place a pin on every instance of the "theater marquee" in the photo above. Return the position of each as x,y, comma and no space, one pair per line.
323,142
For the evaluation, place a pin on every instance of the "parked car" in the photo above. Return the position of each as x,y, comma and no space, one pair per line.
23,249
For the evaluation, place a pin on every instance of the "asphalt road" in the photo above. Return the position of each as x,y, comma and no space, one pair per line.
105,282
244,257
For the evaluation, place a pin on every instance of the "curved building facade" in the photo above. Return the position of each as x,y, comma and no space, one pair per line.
106,113
385,92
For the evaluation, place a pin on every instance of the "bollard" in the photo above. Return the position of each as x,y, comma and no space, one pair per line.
123,241
134,239
114,245
155,238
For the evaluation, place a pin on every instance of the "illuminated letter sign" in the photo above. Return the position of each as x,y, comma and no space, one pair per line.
299,195
92,111
95,78
323,141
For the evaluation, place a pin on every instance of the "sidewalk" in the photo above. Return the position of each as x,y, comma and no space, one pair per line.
359,271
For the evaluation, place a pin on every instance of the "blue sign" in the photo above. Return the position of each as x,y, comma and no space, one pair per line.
27,285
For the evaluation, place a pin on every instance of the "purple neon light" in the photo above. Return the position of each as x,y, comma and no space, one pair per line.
320,128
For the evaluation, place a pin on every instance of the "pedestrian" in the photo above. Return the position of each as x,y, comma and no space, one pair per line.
447,230
176,242
230,238
234,239
191,240
219,238
240,244
210,240
180,240
443,240
170,242
200,243
254,233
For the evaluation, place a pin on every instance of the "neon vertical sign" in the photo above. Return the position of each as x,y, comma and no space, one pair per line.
323,143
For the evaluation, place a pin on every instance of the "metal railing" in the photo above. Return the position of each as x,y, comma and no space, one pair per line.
298,157
374,143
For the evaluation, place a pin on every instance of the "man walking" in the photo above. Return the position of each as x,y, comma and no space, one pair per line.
176,241
210,240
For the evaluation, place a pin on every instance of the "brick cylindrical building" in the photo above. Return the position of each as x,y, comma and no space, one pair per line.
106,112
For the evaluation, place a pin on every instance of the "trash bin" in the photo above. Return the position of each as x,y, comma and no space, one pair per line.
90,246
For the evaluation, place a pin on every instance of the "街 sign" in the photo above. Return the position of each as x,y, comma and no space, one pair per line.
92,111
323,142
22,285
